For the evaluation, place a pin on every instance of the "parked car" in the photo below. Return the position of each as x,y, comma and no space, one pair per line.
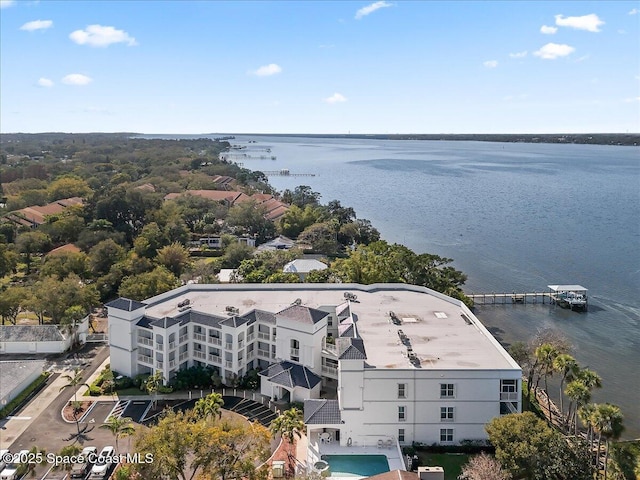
103,463
82,467
10,471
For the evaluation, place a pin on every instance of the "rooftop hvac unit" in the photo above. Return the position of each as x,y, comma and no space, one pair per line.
431,473
277,468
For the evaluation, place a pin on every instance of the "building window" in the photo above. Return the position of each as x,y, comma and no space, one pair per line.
402,390
295,350
402,414
447,390
401,435
446,435
446,414
508,386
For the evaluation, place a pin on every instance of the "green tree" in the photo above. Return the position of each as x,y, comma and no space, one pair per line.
32,242
209,407
568,368
607,423
62,264
74,381
322,237
528,448
174,257
248,218
546,354
296,219
67,187
483,467
11,301
120,427
579,394
145,285
103,255
235,253
8,260
152,384
150,240
288,425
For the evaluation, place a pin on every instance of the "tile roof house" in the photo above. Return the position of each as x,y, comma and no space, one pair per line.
36,215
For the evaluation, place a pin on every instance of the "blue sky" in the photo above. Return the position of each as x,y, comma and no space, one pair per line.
320,67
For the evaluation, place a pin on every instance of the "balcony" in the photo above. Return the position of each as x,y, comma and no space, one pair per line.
172,345
145,359
183,356
251,337
215,341
159,364
330,348
159,346
172,363
510,396
329,371
264,354
264,336
251,355
228,364
199,354
145,341
240,344
295,353
200,337
183,338
228,346
214,359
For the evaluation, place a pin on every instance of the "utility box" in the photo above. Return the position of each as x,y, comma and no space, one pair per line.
431,473
277,468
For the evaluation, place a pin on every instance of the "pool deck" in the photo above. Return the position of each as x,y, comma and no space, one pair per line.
316,449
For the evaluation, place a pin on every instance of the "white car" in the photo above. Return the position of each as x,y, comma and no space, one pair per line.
103,463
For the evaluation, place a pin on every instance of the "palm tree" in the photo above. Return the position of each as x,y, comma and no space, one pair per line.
74,381
589,378
289,424
585,413
608,424
579,394
119,426
152,384
209,406
567,366
546,354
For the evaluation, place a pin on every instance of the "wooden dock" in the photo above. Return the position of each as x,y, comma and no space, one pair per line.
513,297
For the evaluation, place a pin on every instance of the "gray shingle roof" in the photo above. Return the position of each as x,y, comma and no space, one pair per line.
13,373
322,412
351,349
260,316
125,304
30,333
303,265
303,314
289,374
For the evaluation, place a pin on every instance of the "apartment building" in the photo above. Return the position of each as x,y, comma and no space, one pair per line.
398,361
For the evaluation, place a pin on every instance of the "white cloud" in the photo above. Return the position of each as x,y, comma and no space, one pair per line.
6,3
551,51
336,98
45,82
590,23
101,36
490,63
582,58
364,11
632,99
518,54
77,79
547,30
36,25
633,11
267,70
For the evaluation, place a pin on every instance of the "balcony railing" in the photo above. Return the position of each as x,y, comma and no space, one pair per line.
240,344
295,352
159,346
183,356
509,396
329,347
200,337
250,355
228,346
172,345
198,354
264,336
159,364
145,359
264,354
228,364
330,371
145,341
183,338
215,341
251,337
172,363
215,359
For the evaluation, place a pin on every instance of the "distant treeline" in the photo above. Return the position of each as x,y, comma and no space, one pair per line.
628,139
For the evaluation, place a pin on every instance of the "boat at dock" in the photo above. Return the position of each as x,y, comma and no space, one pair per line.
573,297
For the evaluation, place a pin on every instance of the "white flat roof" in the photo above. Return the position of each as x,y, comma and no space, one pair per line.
567,288
442,332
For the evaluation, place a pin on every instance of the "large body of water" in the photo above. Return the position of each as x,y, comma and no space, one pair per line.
514,217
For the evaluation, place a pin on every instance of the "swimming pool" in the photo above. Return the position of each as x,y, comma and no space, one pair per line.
356,465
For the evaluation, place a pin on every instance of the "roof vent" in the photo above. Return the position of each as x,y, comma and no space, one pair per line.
350,296
297,301
231,310
466,318
440,314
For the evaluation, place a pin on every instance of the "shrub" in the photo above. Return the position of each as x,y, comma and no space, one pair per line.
95,391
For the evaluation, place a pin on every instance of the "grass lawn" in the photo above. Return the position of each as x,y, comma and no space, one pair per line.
451,462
